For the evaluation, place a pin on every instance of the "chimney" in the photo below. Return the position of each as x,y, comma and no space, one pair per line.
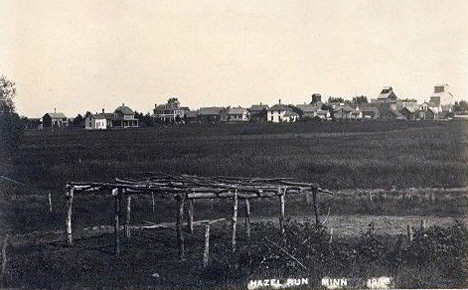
123,104
279,101
260,103
55,110
155,106
103,110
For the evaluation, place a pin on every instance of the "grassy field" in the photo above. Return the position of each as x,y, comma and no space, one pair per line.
337,156
412,170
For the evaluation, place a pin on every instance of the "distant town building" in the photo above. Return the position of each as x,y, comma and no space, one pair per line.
169,112
441,95
323,114
258,112
101,120
387,95
389,111
236,114
281,113
54,120
191,117
369,111
124,117
408,103
308,111
346,112
210,114
429,111
409,113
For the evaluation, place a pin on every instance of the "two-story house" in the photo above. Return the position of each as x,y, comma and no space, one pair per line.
124,117
281,113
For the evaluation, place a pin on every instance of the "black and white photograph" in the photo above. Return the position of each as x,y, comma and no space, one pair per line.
248,144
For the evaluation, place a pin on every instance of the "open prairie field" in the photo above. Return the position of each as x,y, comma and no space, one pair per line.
392,174
337,156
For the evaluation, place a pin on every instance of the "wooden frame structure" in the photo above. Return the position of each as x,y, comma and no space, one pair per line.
187,188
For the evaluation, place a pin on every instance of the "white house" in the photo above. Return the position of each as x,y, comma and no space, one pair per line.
169,112
281,113
99,121
236,114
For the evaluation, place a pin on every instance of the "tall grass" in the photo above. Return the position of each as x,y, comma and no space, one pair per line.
355,155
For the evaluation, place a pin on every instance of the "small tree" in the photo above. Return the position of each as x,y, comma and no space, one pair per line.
335,100
173,101
463,105
360,100
460,106
316,98
78,121
11,127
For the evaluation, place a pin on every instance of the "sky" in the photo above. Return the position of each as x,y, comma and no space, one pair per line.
86,55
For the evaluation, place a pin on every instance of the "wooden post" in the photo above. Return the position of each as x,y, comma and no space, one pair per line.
206,252
247,219
409,231
152,199
128,216
234,221
50,201
180,234
281,214
423,224
331,235
68,220
190,216
370,196
117,195
314,200
307,198
4,259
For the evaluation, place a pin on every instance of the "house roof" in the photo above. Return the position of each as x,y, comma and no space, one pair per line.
407,100
107,116
290,114
165,107
56,115
191,114
236,111
346,108
280,107
124,110
434,110
409,109
430,104
171,106
322,112
307,108
210,110
258,107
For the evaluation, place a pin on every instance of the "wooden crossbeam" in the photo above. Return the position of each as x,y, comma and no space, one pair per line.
186,188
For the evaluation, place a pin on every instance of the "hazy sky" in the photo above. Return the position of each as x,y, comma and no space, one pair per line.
80,56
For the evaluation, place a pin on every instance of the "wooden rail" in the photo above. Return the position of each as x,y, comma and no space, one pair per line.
187,188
